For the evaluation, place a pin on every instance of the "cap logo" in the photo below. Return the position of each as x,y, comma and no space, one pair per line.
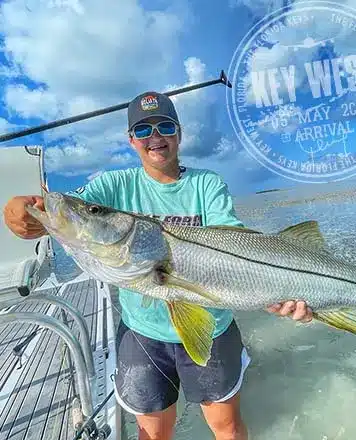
149,102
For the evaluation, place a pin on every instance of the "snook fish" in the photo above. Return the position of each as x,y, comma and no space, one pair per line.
195,267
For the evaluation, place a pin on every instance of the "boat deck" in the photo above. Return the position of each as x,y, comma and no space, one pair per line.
37,385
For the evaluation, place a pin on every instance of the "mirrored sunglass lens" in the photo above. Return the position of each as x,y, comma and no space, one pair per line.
143,130
167,128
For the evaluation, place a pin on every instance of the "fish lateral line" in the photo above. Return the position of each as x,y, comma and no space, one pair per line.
251,260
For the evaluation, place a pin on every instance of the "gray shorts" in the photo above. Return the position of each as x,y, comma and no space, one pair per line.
149,372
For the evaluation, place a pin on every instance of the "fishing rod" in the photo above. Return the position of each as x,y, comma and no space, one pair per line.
9,136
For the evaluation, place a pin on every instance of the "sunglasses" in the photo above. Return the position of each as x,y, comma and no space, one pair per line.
164,128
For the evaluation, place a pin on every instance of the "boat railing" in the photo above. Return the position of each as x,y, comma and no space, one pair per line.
78,318
84,382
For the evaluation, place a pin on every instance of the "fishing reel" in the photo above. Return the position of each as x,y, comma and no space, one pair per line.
104,432
92,432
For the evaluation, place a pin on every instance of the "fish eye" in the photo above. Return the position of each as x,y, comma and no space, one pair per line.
94,209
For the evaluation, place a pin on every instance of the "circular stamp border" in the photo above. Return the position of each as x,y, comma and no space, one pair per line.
230,94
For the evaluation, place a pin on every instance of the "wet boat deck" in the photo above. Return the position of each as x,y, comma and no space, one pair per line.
36,386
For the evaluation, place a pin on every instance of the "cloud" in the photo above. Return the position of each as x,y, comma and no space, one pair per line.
82,104
70,57
72,160
238,168
5,125
28,103
198,111
99,53
78,56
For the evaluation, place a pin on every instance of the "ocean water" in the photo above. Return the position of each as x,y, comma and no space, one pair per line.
301,383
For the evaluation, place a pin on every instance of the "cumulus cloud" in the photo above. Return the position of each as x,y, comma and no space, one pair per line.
237,167
198,112
28,103
71,160
70,57
99,53
5,125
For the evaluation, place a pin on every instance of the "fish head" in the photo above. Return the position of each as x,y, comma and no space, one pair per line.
80,224
85,221
96,235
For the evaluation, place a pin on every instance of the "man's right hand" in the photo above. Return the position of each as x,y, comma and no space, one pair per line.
19,221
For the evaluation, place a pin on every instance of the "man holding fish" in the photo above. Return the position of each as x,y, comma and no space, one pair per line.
152,361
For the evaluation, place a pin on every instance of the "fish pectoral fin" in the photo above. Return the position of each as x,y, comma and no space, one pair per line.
195,326
307,232
172,281
344,319
146,301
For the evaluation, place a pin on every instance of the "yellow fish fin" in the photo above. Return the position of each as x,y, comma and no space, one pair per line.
307,232
172,281
344,319
195,326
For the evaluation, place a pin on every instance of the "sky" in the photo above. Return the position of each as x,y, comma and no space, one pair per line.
60,58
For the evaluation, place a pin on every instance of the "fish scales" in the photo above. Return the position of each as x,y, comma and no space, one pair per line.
242,284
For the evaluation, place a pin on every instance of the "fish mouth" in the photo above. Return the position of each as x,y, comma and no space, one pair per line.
39,215
56,218
53,202
52,209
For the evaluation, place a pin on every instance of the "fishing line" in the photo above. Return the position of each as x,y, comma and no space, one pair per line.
146,352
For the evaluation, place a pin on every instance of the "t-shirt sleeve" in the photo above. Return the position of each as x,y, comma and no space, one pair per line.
219,204
99,190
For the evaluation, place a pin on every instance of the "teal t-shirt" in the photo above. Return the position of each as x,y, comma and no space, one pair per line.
198,198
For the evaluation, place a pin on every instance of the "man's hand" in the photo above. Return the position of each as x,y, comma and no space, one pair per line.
19,221
297,310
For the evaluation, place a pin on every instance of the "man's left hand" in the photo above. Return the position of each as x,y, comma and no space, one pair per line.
297,310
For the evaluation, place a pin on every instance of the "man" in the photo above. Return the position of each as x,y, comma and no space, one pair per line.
152,362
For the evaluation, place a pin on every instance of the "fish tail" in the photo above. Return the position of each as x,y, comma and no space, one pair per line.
344,319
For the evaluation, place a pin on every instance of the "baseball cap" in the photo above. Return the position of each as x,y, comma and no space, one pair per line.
150,104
